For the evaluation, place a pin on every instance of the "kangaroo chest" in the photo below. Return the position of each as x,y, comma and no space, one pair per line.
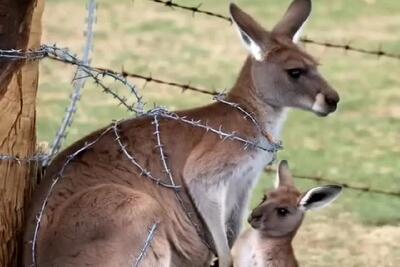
243,178
246,252
252,251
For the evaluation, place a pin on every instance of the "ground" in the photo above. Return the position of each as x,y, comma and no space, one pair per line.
358,145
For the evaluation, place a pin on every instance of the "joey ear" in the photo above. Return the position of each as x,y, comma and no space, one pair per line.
251,33
294,20
283,175
320,197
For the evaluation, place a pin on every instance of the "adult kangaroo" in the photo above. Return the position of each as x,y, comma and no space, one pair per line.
101,210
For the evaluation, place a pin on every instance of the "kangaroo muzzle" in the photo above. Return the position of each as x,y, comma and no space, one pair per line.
324,105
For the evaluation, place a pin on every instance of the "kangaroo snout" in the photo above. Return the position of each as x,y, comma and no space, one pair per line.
325,104
255,218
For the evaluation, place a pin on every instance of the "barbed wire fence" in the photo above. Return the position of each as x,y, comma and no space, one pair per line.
84,72
379,52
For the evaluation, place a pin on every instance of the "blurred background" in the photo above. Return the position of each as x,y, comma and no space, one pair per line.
359,145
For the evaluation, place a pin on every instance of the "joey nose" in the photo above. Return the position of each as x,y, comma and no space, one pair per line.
255,218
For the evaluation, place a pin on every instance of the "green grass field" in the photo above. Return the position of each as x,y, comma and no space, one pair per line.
359,145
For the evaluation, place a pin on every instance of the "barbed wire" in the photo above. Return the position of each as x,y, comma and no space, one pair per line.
345,47
123,101
14,54
78,84
26,160
143,171
379,52
63,55
149,78
55,53
193,9
271,147
156,113
122,76
147,244
319,179
247,115
160,146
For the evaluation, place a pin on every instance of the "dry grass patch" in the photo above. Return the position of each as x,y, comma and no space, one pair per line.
341,241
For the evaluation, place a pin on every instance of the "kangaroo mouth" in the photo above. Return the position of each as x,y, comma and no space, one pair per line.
321,114
255,224
254,221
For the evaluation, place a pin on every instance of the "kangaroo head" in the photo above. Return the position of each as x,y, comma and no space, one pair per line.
282,74
282,210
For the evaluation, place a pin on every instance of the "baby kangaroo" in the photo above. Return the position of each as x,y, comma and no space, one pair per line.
276,220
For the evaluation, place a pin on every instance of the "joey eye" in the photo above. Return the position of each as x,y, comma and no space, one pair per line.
282,212
295,73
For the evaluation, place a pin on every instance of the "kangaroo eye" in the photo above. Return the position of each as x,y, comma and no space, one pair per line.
282,212
295,73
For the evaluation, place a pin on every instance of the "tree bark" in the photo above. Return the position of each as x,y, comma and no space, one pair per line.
20,28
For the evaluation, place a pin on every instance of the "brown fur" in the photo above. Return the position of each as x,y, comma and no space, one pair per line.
101,210
105,165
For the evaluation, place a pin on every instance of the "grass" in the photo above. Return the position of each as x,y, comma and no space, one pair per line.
358,145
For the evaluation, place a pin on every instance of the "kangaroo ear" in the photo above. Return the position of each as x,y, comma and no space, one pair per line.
283,175
320,197
293,22
251,33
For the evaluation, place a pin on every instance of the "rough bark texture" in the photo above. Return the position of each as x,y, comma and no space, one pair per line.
20,27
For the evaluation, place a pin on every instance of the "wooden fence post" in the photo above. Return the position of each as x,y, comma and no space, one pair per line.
20,27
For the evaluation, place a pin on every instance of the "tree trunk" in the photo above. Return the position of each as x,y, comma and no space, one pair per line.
20,28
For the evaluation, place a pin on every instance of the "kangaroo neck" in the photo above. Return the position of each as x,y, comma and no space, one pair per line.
277,251
244,93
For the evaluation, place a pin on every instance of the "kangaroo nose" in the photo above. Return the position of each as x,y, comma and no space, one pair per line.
332,101
255,218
